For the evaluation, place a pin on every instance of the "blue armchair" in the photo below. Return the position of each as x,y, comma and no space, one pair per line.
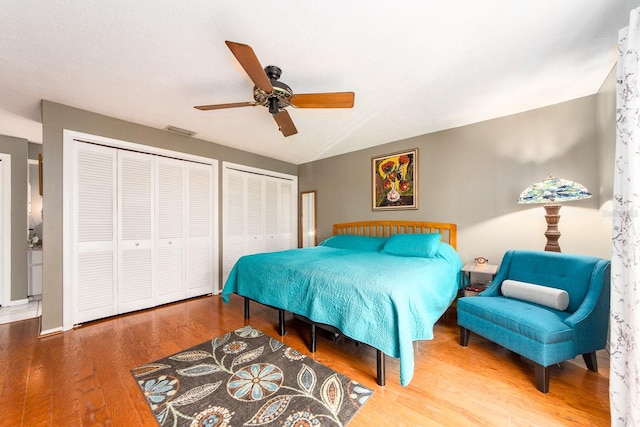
533,322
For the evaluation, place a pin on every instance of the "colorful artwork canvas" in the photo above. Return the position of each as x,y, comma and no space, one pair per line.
395,181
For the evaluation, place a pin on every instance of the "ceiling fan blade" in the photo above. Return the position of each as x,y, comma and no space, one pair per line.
249,61
285,123
323,100
221,106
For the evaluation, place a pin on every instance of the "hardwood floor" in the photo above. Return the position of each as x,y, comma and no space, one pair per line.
81,377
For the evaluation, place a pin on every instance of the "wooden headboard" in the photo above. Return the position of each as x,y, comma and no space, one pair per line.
387,228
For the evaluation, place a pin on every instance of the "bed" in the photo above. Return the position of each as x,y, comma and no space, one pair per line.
382,283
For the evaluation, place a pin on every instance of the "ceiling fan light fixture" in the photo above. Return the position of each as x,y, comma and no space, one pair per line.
273,105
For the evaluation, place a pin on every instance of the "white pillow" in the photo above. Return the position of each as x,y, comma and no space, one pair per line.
543,295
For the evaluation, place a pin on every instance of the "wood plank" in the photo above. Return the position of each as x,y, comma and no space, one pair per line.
81,377
63,366
39,399
16,352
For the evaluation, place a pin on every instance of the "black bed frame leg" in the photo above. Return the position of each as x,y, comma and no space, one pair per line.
312,338
381,368
246,308
281,330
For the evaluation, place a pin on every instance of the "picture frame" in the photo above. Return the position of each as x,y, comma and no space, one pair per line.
394,181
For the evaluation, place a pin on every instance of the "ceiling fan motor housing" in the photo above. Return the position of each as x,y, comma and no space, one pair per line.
281,92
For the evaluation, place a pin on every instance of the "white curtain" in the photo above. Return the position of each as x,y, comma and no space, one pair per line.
624,388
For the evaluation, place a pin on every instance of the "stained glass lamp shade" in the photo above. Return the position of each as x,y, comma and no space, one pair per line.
552,191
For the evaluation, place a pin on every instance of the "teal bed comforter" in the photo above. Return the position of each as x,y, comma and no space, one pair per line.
372,296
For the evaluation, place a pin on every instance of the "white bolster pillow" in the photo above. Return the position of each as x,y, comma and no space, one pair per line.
538,294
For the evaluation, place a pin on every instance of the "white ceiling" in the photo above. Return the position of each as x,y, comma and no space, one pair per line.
415,66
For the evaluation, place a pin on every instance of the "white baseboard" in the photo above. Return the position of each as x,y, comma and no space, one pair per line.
51,331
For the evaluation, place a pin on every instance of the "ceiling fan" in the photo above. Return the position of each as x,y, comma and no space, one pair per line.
275,95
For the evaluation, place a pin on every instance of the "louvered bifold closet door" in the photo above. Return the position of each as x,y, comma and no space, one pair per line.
171,224
259,213
234,207
94,233
254,214
288,215
135,229
200,272
271,215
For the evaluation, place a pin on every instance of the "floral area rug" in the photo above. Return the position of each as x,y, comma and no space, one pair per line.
246,378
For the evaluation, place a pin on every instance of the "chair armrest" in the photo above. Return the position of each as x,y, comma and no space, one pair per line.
591,320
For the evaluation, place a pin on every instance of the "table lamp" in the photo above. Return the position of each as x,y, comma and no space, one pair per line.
552,191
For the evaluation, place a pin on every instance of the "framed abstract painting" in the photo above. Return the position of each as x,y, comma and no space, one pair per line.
395,181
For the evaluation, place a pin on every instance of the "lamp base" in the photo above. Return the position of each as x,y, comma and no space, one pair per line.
552,233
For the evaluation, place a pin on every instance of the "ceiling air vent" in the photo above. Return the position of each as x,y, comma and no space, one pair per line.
180,131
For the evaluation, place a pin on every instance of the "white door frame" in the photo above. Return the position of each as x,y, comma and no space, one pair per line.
5,229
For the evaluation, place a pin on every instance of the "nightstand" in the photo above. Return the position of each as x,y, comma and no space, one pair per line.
483,275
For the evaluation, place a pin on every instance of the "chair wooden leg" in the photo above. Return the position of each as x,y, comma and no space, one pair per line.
591,361
542,378
464,336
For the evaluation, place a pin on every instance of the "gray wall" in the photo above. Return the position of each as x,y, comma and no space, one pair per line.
55,118
17,148
606,137
473,175
34,150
